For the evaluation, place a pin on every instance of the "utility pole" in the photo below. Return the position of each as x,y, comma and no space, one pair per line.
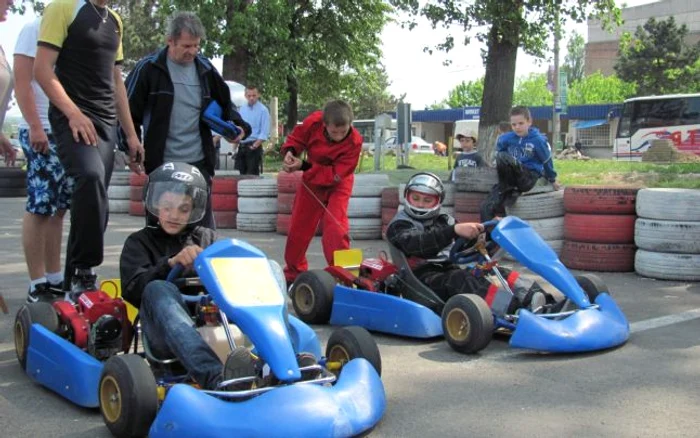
556,125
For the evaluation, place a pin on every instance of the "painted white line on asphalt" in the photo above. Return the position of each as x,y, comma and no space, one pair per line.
664,321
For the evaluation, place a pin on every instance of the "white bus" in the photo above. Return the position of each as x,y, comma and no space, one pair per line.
643,119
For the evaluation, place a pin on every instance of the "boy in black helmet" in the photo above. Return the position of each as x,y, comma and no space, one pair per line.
425,234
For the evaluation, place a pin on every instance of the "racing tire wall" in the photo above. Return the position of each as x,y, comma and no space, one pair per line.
365,206
667,234
599,228
136,184
542,208
119,193
390,205
257,205
224,198
13,182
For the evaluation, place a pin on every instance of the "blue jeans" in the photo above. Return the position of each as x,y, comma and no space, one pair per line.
168,325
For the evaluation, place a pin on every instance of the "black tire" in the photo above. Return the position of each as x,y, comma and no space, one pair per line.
128,396
13,183
12,172
348,343
312,296
592,285
39,313
467,323
17,192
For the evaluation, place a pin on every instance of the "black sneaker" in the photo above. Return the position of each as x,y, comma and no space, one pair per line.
56,289
538,302
83,280
308,360
239,363
41,292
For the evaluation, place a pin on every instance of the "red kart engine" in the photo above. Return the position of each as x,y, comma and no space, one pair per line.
376,274
96,323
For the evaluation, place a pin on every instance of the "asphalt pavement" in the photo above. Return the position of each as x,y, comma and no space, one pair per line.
646,388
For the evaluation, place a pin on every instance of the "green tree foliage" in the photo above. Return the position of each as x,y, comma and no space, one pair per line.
532,91
504,26
575,58
658,59
597,88
367,92
466,94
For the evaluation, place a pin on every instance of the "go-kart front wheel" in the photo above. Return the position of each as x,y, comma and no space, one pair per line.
40,313
467,323
312,296
128,396
592,285
348,343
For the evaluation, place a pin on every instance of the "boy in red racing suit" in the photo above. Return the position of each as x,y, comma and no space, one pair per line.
333,150
425,234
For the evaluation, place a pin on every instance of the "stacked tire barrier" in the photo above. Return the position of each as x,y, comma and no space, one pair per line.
599,228
543,209
667,233
365,207
119,193
257,205
13,182
390,205
224,199
472,185
136,183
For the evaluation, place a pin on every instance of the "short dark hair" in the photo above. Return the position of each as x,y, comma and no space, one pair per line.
521,111
252,87
337,112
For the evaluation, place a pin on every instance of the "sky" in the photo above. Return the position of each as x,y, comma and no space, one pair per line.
422,77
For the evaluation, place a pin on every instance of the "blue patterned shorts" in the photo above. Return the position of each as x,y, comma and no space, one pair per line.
49,189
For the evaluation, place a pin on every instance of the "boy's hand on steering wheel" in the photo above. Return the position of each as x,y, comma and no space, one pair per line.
186,256
469,230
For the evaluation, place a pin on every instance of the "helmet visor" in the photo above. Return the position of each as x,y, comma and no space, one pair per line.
175,202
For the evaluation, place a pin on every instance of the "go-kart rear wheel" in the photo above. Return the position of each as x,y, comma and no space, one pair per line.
467,323
40,313
312,296
128,396
348,343
592,285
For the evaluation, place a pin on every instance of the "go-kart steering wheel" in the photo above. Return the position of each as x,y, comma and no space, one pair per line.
174,278
462,254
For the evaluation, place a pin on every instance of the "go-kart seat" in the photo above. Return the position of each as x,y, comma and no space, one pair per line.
412,288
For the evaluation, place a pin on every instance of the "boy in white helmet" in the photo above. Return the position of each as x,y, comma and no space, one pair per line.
425,234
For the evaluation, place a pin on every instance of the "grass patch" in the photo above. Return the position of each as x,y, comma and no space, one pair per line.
571,172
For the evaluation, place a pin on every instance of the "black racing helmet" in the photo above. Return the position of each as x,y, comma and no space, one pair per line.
426,183
171,186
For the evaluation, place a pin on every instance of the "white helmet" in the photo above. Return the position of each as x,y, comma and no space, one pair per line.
426,183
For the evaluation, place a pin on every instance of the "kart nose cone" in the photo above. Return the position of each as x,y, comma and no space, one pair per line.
588,329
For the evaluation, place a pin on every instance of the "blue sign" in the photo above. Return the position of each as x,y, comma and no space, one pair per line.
472,112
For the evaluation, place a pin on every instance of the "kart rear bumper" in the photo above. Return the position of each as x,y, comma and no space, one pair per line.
353,405
383,313
62,367
588,329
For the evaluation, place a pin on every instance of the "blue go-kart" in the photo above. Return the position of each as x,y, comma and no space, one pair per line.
386,297
277,395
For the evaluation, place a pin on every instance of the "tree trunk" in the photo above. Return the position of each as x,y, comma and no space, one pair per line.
498,88
236,66
293,103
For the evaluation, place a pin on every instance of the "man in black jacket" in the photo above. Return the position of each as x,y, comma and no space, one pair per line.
168,92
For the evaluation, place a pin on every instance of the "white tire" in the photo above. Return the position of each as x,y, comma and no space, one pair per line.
369,185
119,192
365,207
119,206
667,266
365,229
258,188
550,228
119,178
257,205
667,236
256,222
475,179
669,204
541,206
402,187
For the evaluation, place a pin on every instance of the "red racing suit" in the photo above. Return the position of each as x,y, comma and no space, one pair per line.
326,187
